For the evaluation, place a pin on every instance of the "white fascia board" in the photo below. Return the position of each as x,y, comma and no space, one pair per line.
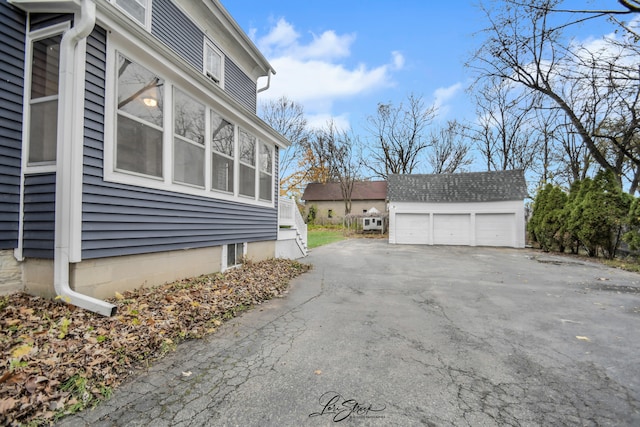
47,6
232,27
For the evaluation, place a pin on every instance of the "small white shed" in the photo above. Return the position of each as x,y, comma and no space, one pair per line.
372,221
474,209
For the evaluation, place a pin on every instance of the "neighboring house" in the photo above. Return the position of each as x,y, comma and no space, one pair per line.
476,209
329,203
131,153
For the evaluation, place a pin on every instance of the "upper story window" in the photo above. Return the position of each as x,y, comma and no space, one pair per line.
139,119
43,100
213,62
140,10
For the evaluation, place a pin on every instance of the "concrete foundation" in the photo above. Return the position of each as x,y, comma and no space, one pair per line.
10,273
259,251
102,278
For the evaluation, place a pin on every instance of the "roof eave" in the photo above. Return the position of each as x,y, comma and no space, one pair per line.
232,26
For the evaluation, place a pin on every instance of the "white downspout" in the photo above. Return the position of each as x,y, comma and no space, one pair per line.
262,89
69,160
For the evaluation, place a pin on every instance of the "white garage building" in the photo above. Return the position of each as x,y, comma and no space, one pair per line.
473,209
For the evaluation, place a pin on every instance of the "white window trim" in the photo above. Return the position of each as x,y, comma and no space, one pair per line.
209,164
208,44
147,14
146,59
207,112
116,112
256,174
224,260
209,153
33,36
271,172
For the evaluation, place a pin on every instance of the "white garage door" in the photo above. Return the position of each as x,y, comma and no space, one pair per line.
451,229
495,229
412,229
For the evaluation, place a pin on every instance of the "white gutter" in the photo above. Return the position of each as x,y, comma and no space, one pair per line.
68,205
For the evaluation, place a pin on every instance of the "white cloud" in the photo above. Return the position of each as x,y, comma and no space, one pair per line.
398,60
314,72
282,36
442,97
319,121
284,40
328,45
314,80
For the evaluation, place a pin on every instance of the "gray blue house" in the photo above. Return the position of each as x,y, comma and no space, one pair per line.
130,149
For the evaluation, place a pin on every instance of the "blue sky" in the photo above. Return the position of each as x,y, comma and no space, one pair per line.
341,58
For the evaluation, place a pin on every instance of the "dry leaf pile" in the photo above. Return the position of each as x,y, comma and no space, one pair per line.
58,359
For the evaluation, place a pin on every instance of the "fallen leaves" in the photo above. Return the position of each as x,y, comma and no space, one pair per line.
582,338
20,351
58,359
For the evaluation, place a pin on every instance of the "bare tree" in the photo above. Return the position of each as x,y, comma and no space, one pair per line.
399,136
316,161
287,117
449,151
341,149
502,131
523,47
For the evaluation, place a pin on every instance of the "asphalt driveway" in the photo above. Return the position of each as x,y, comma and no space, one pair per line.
378,334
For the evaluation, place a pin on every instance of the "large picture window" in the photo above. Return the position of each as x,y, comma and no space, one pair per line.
247,147
139,119
222,142
266,172
170,135
188,145
43,100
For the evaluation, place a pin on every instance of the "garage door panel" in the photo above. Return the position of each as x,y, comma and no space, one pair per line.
497,229
451,229
412,229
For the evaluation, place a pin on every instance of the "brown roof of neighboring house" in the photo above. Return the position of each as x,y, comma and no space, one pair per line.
362,190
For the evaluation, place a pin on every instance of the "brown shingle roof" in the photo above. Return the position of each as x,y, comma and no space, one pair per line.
362,190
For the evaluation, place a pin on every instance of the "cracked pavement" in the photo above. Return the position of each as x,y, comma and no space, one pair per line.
380,334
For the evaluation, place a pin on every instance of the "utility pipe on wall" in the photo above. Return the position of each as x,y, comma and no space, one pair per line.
69,160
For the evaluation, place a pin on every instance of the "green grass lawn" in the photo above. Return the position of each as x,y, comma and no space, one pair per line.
322,236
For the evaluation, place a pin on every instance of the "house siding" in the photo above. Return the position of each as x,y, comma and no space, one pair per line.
12,33
176,30
239,85
125,220
39,215
170,25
